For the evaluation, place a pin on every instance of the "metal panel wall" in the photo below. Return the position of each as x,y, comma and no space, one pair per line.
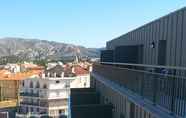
183,63
179,38
171,28
173,38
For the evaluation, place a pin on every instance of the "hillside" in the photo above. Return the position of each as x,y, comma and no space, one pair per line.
41,49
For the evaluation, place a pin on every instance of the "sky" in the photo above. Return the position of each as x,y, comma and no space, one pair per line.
89,23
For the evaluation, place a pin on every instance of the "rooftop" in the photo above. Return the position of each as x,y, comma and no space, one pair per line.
68,71
78,70
6,75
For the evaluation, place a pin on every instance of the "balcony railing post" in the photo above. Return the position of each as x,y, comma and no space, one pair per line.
173,93
155,89
142,85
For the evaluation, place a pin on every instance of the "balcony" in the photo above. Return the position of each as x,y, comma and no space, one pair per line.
28,94
29,103
53,103
23,112
45,93
31,115
54,94
159,85
46,103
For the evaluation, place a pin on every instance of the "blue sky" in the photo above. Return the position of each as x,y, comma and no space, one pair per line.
82,22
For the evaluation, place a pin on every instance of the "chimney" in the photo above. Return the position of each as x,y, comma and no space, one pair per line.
48,75
90,68
73,70
55,74
43,75
62,74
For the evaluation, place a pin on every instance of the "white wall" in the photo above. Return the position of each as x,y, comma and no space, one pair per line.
56,87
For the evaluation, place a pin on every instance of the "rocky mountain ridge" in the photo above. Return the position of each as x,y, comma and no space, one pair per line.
42,49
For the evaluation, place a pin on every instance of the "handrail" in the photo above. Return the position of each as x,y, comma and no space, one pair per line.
144,71
145,65
153,73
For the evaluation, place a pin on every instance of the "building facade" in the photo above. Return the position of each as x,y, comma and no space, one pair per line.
10,77
48,94
142,73
162,41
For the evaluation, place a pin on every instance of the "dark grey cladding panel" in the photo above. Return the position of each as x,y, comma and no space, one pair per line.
153,39
83,98
169,36
184,41
148,43
157,38
107,55
173,42
79,90
127,54
162,52
161,29
91,111
143,41
165,30
179,38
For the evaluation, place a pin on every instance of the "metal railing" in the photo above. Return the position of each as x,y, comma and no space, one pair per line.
40,93
160,85
29,94
45,103
31,103
29,115
53,103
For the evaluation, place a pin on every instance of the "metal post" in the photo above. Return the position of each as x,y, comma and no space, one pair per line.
142,85
155,89
173,93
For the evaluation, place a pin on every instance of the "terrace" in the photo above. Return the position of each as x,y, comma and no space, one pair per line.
161,86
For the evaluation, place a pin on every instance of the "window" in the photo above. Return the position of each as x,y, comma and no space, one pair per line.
85,84
32,91
67,85
37,85
61,111
31,84
57,82
23,83
31,109
27,110
37,109
44,86
58,93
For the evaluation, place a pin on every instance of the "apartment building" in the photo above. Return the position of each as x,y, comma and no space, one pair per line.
143,72
48,94
10,77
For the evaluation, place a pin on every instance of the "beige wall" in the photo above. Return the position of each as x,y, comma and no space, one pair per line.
8,89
